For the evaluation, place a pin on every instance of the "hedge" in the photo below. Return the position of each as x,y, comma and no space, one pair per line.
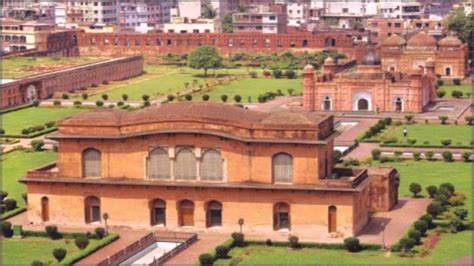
44,234
332,246
16,108
90,249
12,213
424,146
36,134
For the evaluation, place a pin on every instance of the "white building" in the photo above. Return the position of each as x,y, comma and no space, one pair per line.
188,25
94,11
296,14
142,15
400,9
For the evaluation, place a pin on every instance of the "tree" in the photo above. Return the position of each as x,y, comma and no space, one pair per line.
85,96
208,11
224,98
449,187
227,23
431,190
59,254
415,188
443,119
204,57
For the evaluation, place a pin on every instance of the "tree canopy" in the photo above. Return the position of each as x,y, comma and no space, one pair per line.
204,57
458,22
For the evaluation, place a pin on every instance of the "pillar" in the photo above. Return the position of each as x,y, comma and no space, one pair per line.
308,88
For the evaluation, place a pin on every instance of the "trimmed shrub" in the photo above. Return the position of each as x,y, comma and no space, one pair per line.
457,199
221,251
428,219
337,155
77,103
59,254
290,74
52,232
188,97
440,93
81,242
446,142
416,155
7,229
99,103
294,241
57,103
120,103
411,141
415,188
443,119
268,242
10,204
456,94
384,159
461,213
238,238
434,209
65,96
37,144
376,154
206,259
50,124
125,97
253,74
429,155
224,98
441,198
406,244
145,97
469,119
170,97
457,81
388,121
36,103
3,195
100,232
352,244
37,263
237,98
449,187
277,73
466,156
439,82
431,190
105,97
205,97
409,118
447,156
415,234
85,96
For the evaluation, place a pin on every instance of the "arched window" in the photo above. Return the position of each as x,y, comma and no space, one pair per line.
92,163
398,104
327,103
281,216
158,212
332,219
282,165
212,166
45,209
92,209
185,165
186,213
214,214
159,164
447,71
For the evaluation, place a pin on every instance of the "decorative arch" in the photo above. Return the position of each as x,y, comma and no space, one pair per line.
45,209
326,104
92,209
398,104
159,164
281,216
448,70
332,219
91,163
212,166
282,168
158,212
185,167
362,101
214,214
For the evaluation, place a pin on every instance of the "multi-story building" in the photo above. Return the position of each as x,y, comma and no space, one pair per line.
93,11
400,9
17,35
204,166
187,25
262,18
144,15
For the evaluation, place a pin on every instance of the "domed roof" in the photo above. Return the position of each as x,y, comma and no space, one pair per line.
450,41
421,40
417,70
394,40
329,61
308,68
430,62
371,59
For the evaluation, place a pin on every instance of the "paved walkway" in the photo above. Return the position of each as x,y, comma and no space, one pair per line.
397,221
205,243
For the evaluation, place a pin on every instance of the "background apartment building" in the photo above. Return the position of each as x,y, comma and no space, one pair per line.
93,11
144,15
262,18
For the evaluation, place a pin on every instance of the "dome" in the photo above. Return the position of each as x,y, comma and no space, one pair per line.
450,41
394,40
371,59
329,61
421,40
417,70
308,69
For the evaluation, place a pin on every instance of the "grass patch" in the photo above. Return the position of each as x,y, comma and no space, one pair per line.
449,248
15,165
18,67
450,88
158,81
251,88
428,134
14,122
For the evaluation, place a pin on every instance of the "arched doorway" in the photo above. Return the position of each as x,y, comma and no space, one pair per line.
31,93
214,214
362,105
158,212
186,213
92,209
327,104
332,219
447,71
398,105
45,209
281,216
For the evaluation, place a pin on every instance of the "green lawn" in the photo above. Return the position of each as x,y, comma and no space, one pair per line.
159,81
434,173
430,134
14,122
449,248
17,67
450,88
15,165
252,88
24,251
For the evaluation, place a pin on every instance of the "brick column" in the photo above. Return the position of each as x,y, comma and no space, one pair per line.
308,88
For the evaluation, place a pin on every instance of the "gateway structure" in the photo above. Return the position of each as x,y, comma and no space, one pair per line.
203,166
